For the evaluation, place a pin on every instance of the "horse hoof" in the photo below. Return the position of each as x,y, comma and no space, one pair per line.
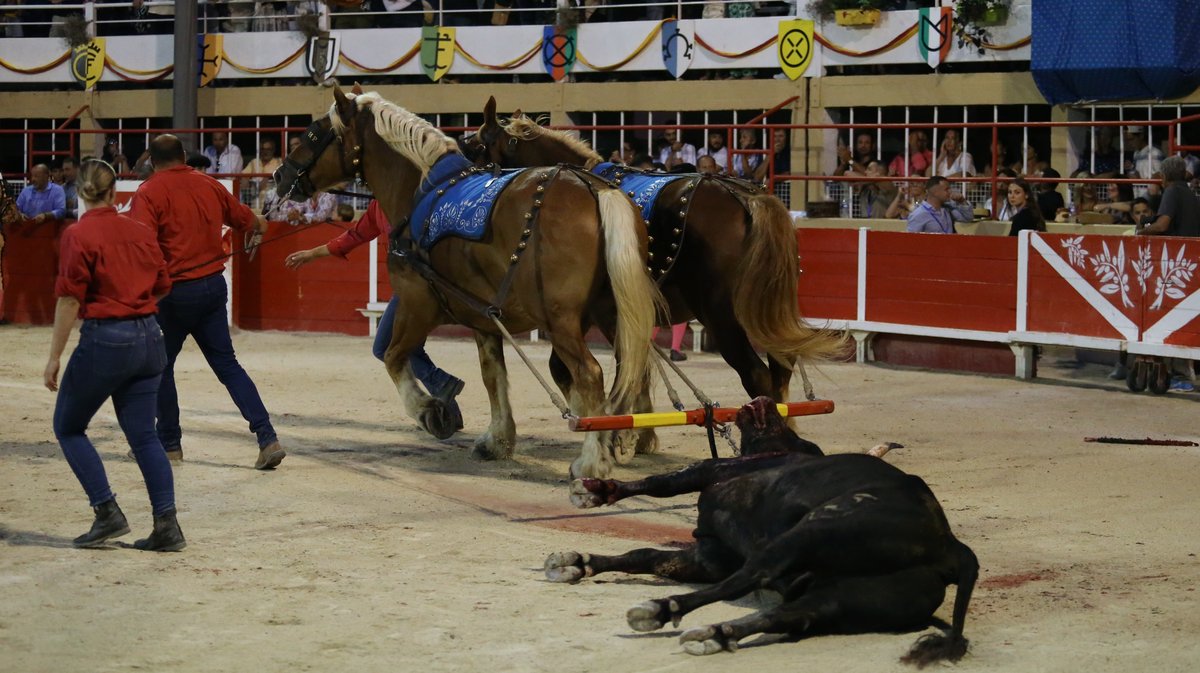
647,443
487,449
566,566
438,420
701,641
645,617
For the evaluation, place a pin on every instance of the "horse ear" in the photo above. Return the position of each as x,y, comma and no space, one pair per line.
356,89
489,112
517,114
344,106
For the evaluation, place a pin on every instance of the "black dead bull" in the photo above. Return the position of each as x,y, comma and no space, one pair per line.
851,543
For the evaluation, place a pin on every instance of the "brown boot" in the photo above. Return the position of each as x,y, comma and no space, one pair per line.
166,535
109,523
269,456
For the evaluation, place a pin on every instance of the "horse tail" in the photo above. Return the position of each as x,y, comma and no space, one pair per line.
764,291
950,646
637,297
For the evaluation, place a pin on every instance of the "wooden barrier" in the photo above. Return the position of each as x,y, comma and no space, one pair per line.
1138,294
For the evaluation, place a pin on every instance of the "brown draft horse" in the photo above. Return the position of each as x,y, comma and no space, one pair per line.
727,254
584,254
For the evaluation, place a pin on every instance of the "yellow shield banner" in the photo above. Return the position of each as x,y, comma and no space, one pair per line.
437,51
87,62
795,46
212,54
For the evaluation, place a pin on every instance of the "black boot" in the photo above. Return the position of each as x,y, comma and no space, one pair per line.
166,535
109,523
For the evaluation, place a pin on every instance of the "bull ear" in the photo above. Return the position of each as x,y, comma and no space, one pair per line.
489,112
344,106
356,89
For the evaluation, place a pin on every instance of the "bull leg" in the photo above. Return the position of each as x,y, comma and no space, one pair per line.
587,493
860,533
703,562
499,440
900,601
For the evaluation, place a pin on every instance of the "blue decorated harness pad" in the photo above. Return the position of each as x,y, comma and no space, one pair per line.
461,209
643,188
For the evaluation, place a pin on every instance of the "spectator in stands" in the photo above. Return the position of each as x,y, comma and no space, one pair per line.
782,156
1029,165
226,157
42,200
625,155
1048,197
70,176
689,169
1120,202
1179,212
906,201
715,149
918,160
1085,198
707,165
1026,213
266,163
345,212
952,160
875,198
941,209
199,162
1004,211
1140,211
318,208
1145,159
114,156
1105,159
143,167
293,144
675,151
643,162
745,165
856,162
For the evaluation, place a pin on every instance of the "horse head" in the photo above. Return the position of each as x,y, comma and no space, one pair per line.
490,143
520,141
330,151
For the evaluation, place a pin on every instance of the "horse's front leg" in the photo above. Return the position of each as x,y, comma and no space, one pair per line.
499,440
415,318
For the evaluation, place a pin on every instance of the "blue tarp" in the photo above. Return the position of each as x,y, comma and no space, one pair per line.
1086,50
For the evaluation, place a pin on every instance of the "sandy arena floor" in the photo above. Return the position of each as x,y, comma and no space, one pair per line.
376,548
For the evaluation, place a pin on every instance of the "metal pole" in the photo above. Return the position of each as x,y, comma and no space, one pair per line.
186,77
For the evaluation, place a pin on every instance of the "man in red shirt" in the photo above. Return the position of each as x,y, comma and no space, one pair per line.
187,210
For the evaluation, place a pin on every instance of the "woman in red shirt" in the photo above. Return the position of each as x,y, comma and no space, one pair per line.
111,273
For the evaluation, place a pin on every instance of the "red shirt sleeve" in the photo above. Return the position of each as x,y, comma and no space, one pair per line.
74,271
371,225
142,210
237,215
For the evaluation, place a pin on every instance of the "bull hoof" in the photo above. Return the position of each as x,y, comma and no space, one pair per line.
652,615
567,566
438,419
705,640
584,497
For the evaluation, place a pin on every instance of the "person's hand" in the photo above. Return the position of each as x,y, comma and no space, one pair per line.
294,217
50,376
956,195
843,154
299,258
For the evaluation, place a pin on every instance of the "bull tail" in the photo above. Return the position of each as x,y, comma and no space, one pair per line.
952,645
764,293
637,298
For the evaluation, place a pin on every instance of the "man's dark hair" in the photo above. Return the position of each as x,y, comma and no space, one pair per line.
69,160
640,160
198,161
683,168
166,149
934,181
1146,202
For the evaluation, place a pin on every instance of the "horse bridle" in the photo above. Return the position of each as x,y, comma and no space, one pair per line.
317,139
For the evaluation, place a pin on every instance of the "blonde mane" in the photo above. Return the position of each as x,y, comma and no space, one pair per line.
526,128
412,137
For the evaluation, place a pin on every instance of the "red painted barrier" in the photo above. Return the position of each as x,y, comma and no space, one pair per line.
29,266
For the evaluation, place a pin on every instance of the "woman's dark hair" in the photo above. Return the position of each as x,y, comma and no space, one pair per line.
1124,191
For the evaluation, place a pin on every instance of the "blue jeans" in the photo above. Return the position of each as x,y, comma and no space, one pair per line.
196,308
422,367
124,360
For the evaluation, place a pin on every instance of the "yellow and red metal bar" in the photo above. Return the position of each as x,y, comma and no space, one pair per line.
692,417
